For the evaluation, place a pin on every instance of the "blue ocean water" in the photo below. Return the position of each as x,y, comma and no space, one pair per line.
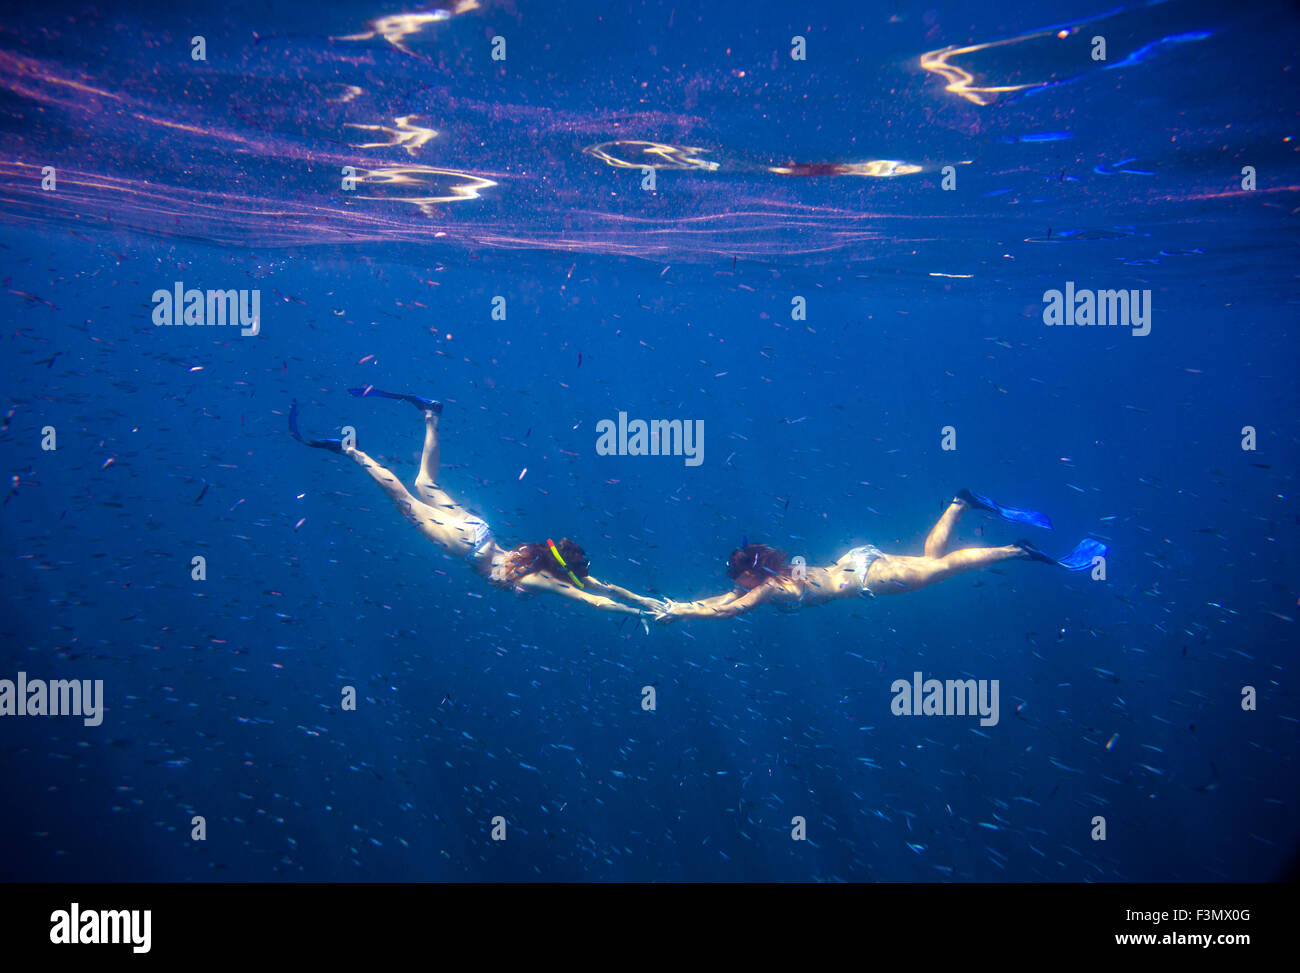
525,179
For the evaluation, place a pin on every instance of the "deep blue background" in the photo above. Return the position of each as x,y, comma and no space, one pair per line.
224,695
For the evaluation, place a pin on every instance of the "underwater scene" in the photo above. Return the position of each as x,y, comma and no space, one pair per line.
649,442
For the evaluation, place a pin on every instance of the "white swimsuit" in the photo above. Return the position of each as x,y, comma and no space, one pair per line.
480,536
863,558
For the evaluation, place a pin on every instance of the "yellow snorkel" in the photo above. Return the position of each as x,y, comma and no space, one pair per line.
563,565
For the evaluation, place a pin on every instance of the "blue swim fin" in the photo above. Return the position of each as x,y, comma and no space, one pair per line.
1080,559
1013,514
419,401
333,445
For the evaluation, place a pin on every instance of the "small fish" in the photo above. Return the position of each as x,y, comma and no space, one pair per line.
522,473
579,359
31,298
295,526
202,492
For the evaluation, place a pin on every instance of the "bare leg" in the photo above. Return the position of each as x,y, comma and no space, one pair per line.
426,482
445,520
893,573
936,544
390,484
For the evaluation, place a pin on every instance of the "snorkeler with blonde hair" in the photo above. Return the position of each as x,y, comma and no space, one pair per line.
559,569
763,574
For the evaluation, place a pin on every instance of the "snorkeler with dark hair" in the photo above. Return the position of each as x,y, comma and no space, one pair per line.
764,574
559,569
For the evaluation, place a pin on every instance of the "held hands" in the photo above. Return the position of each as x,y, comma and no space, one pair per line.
666,612
659,610
663,611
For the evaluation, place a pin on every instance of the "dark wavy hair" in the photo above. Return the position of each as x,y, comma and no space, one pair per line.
527,558
751,565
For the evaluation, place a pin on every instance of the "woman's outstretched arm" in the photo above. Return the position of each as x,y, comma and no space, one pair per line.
538,581
614,591
720,606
